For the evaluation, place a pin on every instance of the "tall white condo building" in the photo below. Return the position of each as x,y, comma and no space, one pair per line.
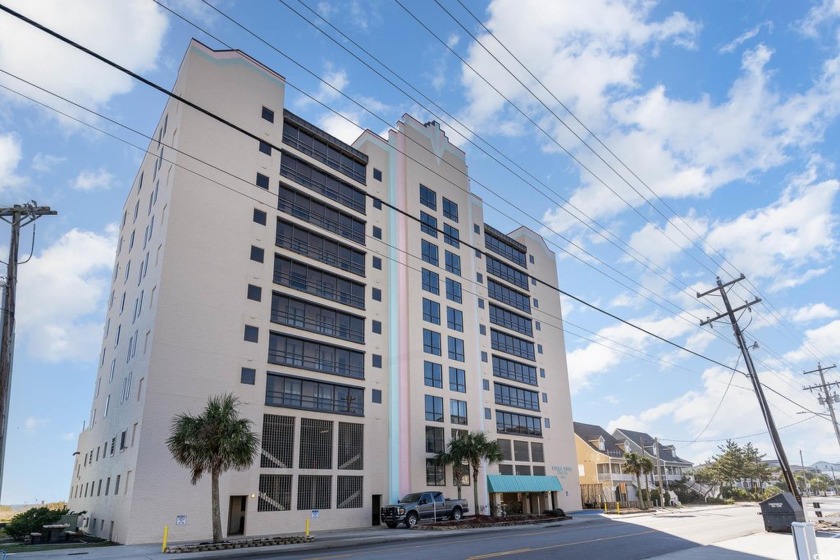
351,297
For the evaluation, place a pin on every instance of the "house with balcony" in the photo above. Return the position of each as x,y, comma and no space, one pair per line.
600,459
666,463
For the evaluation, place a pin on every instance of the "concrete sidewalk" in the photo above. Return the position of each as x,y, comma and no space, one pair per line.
759,545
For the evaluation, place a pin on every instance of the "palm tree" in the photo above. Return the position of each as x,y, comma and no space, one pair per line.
632,465
647,468
454,456
473,449
215,441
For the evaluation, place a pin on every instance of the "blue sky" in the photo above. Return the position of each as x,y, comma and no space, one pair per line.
725,115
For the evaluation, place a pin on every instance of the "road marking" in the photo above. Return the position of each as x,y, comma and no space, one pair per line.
562,545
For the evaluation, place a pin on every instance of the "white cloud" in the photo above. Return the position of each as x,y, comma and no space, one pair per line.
69,436
341,125
44,163
32,423
130,33
746,36
88,180
660,245
334,82
10,155
813,313
617,340
785,242
819,343
453,40
61,297
818,16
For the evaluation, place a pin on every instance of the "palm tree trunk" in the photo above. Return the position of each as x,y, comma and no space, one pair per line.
475,490
641,496
217,517
647,487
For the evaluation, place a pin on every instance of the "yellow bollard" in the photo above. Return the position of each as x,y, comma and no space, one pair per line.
618,508
605,507
307,526
165,537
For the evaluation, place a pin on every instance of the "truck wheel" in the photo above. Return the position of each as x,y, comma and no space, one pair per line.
456,514
391,525
411,520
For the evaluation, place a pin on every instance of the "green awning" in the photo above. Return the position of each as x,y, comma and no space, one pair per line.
499,483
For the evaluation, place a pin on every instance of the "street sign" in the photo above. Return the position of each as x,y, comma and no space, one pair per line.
314,514
180,520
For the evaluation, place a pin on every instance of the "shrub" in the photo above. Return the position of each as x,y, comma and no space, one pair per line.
555,512
770,491
736,494
33,521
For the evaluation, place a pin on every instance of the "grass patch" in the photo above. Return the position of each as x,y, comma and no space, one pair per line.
15,547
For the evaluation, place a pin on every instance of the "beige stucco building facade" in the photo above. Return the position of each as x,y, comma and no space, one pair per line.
351,297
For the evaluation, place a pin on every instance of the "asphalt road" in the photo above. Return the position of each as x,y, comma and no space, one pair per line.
630,538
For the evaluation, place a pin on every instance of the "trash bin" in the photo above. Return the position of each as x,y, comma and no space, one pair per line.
780,511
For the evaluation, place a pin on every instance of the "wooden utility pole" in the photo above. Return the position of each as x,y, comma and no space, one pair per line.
787,473
829,400
660,470
17,216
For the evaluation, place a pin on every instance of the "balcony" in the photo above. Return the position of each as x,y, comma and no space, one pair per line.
615,477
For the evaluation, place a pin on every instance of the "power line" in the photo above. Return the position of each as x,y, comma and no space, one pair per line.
242,131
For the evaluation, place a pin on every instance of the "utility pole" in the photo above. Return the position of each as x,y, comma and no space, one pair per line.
829,400
787,473
659,470
17,216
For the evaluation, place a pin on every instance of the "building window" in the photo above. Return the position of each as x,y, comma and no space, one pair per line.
499,269
254,292
376,294
479,277
259,217
453,290
376,360
257,254
377,263
434,439
435,473
428,224
451,236
431,342
376,396
428,197
312,317
453,263
377,204
518,424
510,320
248,376
508,369
268,114
512,345
482,330
450,210
314,245
432,375
434,408
314,179
537,325
315,356
547,423
429,252
457,380
431,311
455,319
485,384
536,303
539,349
349,492
310,280
484,356
376,327
514,396
542,372
377,174
377,232
262,181
531,258
431,281
351,440
300,205
320,396
275,492
488,414
458,412
508,296
480,303
456,349
265,147
252,334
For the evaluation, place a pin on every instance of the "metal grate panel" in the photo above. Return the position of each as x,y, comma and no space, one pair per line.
278,442
349,492
351,446
316,438
520,450
275,492
314,492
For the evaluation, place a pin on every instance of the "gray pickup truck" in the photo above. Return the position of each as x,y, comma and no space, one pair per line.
422,505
